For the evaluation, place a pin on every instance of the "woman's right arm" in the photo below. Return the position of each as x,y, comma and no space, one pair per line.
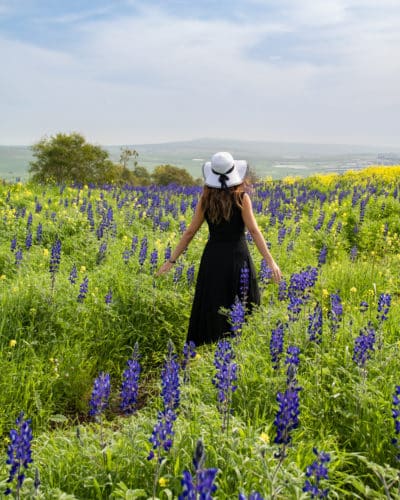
258,238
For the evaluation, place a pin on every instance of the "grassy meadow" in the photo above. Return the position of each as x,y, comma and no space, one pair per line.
78,291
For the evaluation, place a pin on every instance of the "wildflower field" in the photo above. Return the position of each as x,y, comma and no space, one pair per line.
100,397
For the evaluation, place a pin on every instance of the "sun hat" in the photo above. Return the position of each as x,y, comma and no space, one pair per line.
223,171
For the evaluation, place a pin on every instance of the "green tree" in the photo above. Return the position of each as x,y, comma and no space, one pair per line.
69,158
168,174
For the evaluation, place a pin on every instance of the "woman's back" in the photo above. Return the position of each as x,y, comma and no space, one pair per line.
227,230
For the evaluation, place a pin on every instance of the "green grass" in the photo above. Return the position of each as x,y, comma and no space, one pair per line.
52,346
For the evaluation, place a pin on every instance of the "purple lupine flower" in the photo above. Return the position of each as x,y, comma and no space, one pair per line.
162,435
153,260
178,273
225,378
182,226
55,259
101,253
130,383
254,495
143,250
168,252
384,302
108,297
13,244
73,275
100,395
336,312
244,283
331,222
353,254
190,275
189,351
292,361
29,221
396,418
281,234
287,417
363,345
19,453
126,255
89,213
299,290
322,255
236,316
83,289
320,221
265,273
315,324
18,257
294,307
282,290
28,240
315,472
276,344
170,391
163,432
363,306
134,244
39,233
201,485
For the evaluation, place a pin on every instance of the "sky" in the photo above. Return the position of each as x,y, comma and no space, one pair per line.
149,71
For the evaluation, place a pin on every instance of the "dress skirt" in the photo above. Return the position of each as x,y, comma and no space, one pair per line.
218,284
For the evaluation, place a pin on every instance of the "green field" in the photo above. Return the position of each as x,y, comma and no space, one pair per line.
337,241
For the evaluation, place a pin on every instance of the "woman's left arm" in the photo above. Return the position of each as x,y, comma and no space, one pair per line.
187,236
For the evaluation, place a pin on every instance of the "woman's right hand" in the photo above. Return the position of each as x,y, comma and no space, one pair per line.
276,272
164,268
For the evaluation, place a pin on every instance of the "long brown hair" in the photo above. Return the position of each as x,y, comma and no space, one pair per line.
218,203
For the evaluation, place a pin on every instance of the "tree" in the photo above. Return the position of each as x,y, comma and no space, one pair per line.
128,154
168,174
69,158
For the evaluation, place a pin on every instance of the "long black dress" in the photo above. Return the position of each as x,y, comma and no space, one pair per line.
218,279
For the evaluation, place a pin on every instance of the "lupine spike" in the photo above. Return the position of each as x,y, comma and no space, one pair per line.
130,384
316,472
201,484
100,394
19,453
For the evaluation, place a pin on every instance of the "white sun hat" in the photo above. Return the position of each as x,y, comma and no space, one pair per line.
223,171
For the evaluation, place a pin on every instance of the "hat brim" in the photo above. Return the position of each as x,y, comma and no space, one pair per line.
235,177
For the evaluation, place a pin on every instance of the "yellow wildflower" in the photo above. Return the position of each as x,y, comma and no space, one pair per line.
163,482
353,289
12,343
45,252
83,269
264,437
3,277
325,292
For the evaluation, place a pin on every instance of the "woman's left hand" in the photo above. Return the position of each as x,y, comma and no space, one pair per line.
164,268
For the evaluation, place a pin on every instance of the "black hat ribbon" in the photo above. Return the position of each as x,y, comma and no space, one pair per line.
223,177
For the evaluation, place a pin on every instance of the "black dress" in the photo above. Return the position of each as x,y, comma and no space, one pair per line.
218,280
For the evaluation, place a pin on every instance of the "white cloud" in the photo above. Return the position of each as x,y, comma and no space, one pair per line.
155,77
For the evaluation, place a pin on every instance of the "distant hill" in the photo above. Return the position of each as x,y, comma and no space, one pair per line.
273,159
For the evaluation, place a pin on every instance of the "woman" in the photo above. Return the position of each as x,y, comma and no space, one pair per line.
227,208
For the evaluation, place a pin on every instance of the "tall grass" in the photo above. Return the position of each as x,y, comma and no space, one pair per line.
53,346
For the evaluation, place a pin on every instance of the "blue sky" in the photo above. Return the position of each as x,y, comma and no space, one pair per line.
142,71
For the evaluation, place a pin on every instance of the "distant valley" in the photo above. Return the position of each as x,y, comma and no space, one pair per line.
273,159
